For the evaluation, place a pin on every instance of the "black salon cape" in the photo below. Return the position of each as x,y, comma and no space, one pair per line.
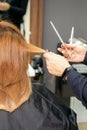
41,112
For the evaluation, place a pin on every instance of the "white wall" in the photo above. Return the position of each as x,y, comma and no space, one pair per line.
80,110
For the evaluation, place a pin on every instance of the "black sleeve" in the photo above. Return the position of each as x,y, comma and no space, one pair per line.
78,82
85,59
19,9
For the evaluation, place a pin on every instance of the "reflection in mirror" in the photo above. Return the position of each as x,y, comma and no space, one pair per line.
33,23
27,22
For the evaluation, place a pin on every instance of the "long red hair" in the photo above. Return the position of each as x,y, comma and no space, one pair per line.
15,85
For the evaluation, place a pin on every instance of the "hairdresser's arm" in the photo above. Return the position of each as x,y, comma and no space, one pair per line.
78,83
58,65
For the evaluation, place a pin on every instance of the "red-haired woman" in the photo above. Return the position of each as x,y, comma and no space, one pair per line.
24,106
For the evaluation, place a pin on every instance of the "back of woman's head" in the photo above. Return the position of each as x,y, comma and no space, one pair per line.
15,85
13,56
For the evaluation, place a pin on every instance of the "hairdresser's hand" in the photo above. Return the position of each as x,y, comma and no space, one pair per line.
56,64
4,6
76,53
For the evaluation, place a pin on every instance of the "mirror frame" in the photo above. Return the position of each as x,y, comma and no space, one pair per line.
36,22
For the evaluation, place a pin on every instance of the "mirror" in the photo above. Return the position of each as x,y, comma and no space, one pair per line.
33,20
36,21
27,22
33,23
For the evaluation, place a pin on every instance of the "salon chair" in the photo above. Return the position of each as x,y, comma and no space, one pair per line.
37,65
